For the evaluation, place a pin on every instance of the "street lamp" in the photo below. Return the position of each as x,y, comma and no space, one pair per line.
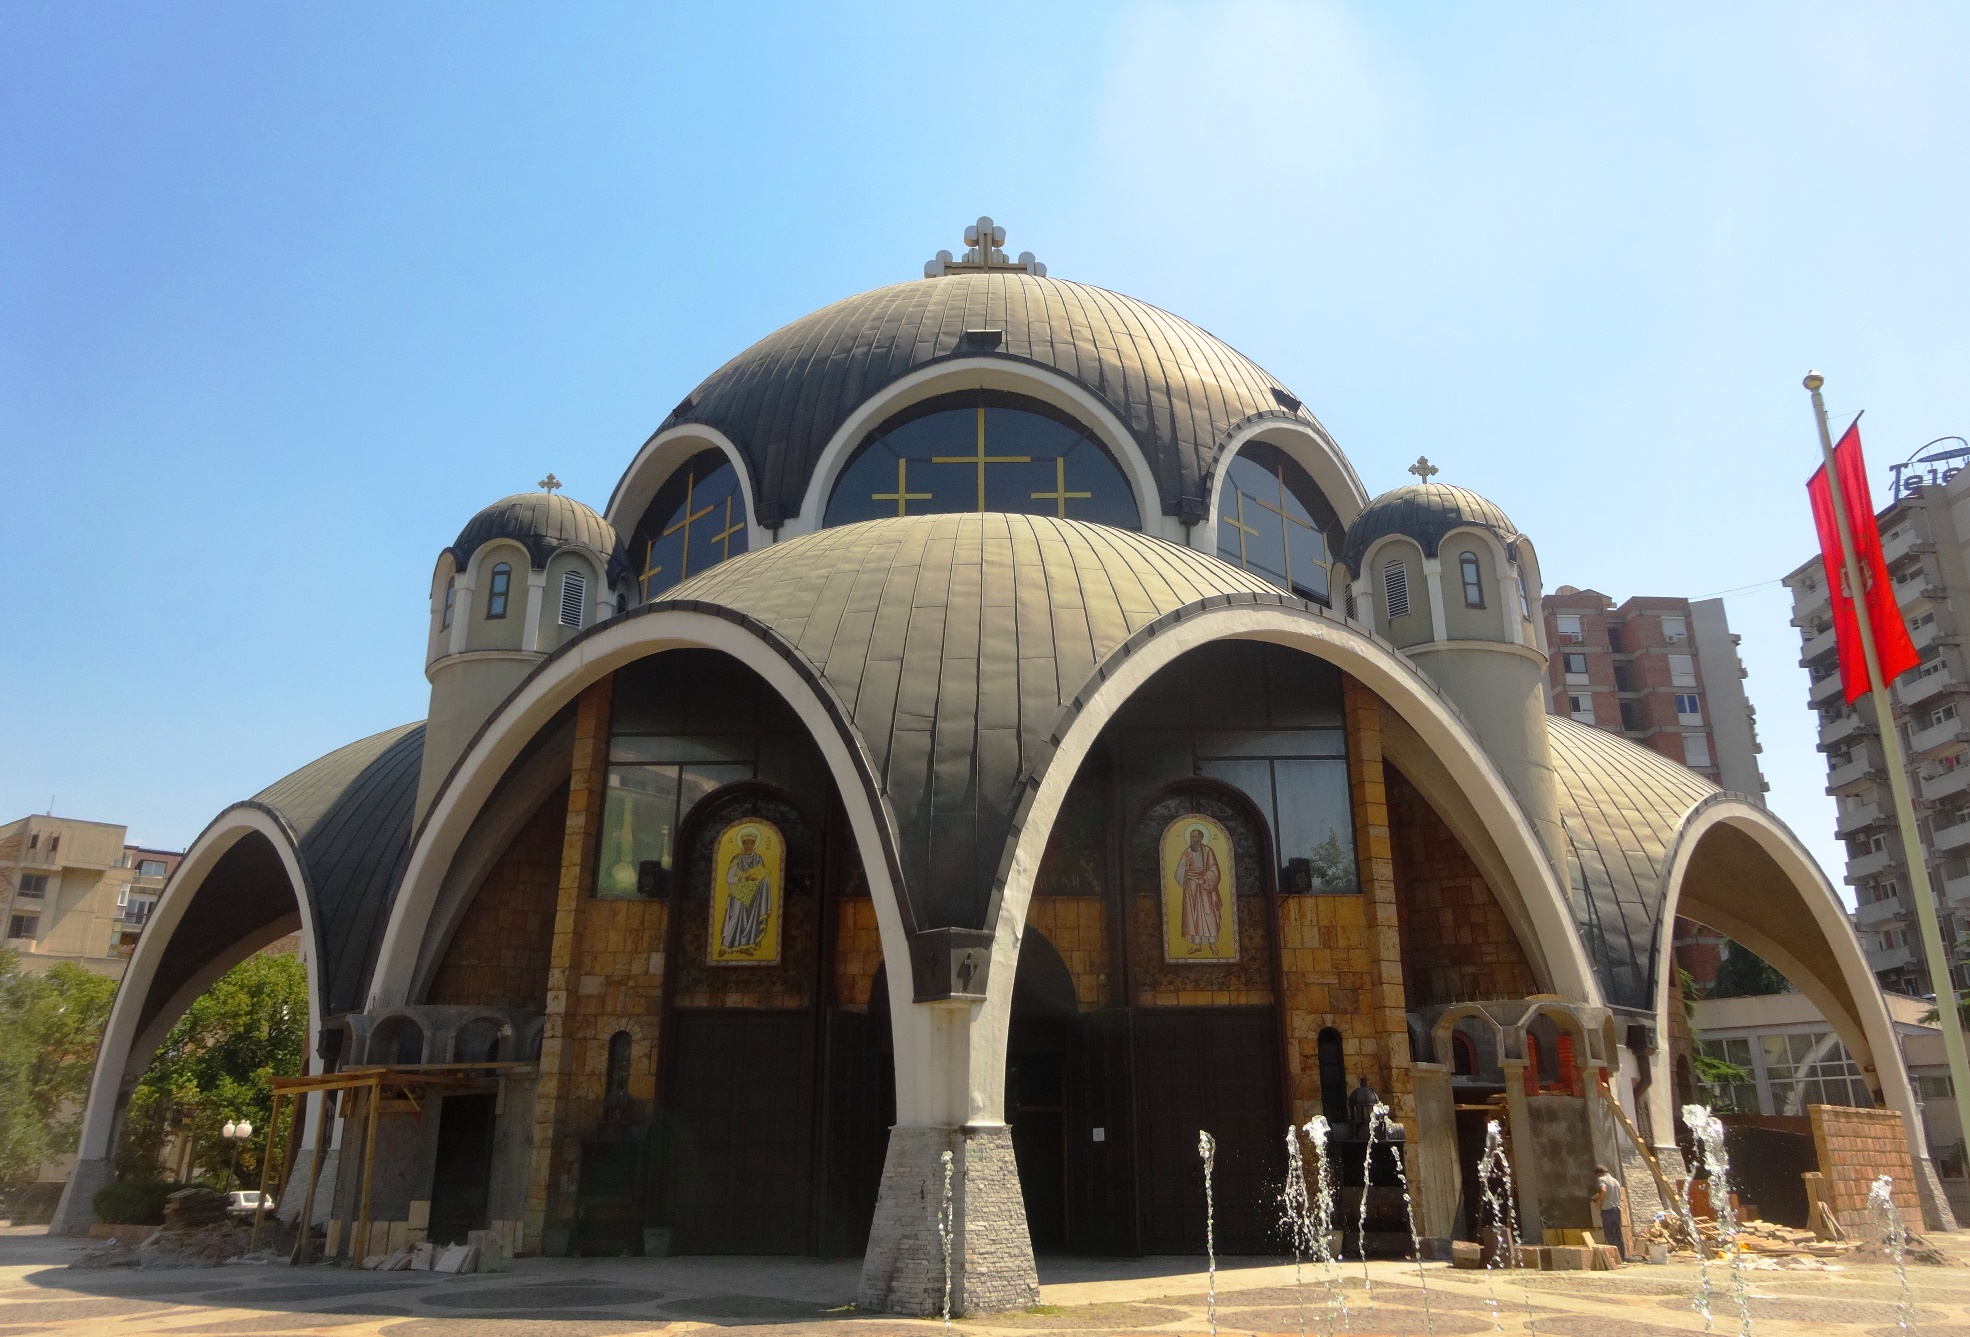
234,1133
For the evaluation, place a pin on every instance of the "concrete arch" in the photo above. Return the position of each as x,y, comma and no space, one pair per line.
1738,870
139,1021
660,457
1543,904
986,373
1309,447
923,1096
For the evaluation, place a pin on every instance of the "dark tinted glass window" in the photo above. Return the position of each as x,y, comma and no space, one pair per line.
696,520
496,594
982,452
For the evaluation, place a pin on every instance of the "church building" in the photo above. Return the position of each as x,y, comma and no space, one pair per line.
992,718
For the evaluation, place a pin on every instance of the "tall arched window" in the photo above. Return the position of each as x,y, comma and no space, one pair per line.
696,520
982,451
1333,1076
1463,1055
1473,580
498,591
1274,521
451,597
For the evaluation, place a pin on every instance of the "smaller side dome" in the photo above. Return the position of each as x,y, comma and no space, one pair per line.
1425,512
543,523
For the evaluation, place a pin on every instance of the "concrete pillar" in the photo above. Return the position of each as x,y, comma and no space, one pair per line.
1525,1165
990,1253
536,600
1434,1175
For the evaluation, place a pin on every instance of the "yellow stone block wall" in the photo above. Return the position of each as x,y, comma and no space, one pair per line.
502,950
858,952
1077,927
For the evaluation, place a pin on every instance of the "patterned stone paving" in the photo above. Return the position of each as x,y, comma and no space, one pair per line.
802,1298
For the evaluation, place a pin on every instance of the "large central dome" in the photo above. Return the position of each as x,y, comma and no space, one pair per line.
1179,391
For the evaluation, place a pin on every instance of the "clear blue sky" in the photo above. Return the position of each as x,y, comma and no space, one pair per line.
287,292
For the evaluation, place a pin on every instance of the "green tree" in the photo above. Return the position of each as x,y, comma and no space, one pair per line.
1745,974
50,1028
217,1064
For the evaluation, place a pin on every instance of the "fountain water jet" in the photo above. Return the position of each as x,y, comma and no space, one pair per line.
1888,1219
1709,1130
1376,1116
1296,1215
1494,1167
1207,1151
1415,1238
1317,1129
946,1220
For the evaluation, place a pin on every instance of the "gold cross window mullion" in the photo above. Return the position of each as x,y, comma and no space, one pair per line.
684,523
723,538
981,459
1243,529
1286,521
1060,494
902,496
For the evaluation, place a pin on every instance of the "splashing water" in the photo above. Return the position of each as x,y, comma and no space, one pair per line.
1888,1220
1501,1202
1316,1130
1415,1237
1709,1130
1376,1117
1296,1215
945,1224
1207,1151
1701,1301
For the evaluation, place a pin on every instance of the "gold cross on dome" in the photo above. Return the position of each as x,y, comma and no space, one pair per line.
1423,469
1060,494
548,484
684,522
902,496
723,538
981,459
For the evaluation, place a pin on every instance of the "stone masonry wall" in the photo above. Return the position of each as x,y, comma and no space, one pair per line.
858,952
1457,944
501,952
1854,1147
1077,926
991,1254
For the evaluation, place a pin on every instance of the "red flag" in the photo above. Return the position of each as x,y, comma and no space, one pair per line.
1891,643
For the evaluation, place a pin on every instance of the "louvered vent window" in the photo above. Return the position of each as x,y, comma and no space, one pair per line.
1395,589
574,590
1350,601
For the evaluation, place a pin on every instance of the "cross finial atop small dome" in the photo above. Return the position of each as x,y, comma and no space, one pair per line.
983,240
549,483
1423,469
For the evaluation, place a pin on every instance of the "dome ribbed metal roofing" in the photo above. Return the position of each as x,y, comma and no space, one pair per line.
1425,512
542,522
1180,391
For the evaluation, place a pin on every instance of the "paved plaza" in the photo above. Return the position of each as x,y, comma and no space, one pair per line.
792,1297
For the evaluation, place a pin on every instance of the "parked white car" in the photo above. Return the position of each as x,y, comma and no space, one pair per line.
242,1203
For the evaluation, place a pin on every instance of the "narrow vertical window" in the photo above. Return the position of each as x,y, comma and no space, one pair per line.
1333,1075
616,1083
574,592
1473,581
1525,600
451,597
1395,589
502,583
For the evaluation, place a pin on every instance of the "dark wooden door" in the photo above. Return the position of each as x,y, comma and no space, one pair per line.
860,1105
1215,1069
609,1195
462,1172
1101,1176
736,1167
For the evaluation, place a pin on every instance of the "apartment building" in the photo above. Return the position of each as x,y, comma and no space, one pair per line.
1662,671
1923,536
74,891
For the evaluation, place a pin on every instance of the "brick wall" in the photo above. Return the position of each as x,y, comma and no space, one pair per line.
1457,944
500,955
1855,1146
858,951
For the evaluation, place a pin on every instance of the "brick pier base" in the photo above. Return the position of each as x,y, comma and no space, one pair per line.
991,1252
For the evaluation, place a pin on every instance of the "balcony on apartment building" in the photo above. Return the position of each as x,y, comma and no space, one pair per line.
1915,584
1860,816
1956,890
1844,727
1889,958
1937,735
1899,543
1954,835
1807,604
1845,776
1815,646
1824,690
1939,782
1884,913
1935,679
1873,862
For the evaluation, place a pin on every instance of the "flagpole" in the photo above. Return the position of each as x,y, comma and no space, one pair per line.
1891,746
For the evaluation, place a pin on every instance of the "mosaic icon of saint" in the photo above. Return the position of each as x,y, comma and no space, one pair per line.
748,897
1197,875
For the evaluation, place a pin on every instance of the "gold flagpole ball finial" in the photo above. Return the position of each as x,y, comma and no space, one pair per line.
1813,380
